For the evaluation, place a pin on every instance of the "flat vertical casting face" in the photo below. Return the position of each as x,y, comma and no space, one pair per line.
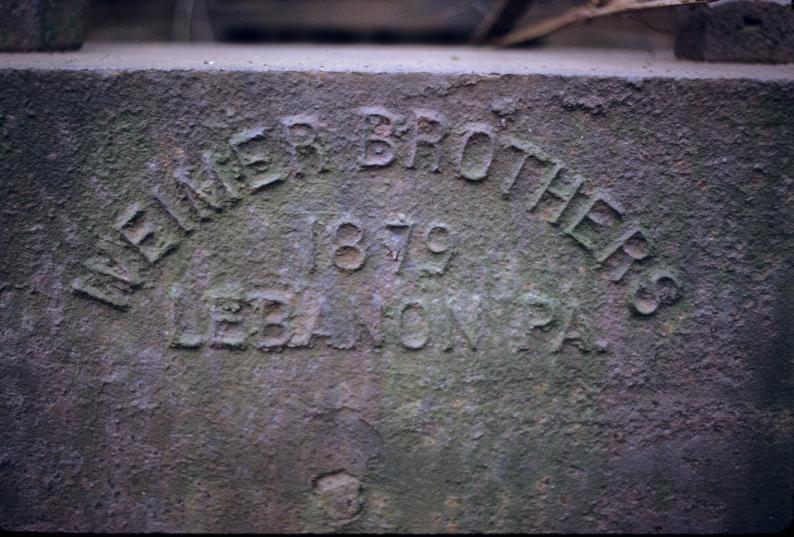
312,301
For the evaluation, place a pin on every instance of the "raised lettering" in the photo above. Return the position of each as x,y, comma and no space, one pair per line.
414,325
378,144
111,275
182,337
465,316
180,218
430,128
302,132
227,327
151,241
562,194
257,155
399,240
81,286
659,287
439,241
476,152
573,329
346,250
601,211
632,246
274,309
526,151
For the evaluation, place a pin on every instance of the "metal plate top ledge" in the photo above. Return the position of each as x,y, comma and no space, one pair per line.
385,59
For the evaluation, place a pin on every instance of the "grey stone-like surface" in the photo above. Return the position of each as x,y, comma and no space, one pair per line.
362,293
741,31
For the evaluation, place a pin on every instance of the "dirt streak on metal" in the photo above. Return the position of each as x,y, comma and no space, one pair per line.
305,301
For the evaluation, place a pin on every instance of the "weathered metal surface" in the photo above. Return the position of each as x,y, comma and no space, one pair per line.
27,25
741,31
301,300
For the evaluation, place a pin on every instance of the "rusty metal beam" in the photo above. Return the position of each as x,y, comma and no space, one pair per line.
584,11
